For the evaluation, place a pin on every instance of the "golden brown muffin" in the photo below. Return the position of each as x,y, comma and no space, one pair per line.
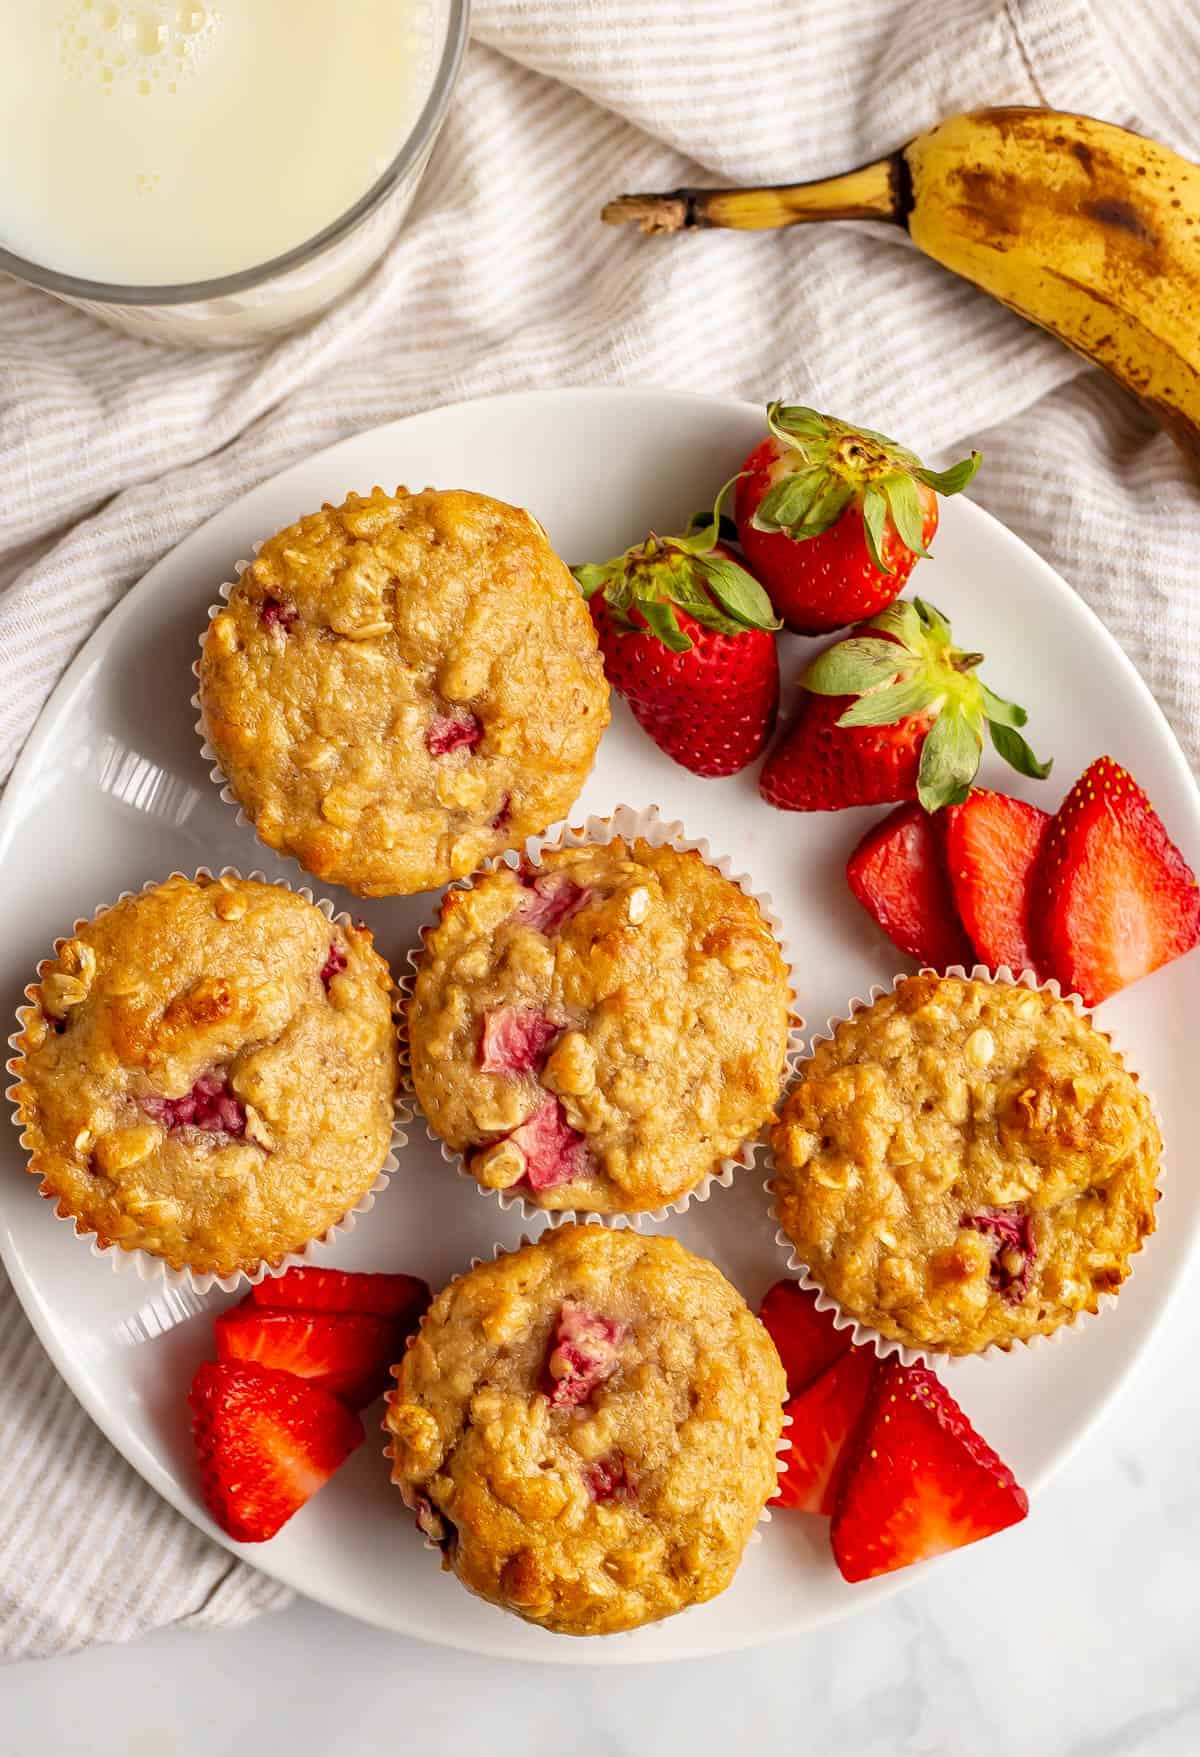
588,1428
600,1031
207,1073
403,685
966,1163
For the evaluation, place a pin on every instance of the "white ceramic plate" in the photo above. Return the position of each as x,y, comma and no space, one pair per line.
111,790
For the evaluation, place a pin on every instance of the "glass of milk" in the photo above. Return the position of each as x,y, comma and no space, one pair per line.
221,172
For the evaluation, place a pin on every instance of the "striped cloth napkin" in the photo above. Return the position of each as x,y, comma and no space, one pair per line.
111,450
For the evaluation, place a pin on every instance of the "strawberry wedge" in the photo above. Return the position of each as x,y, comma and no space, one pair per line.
342,1290
919,1480
348,1354
992,847
266,1442
898,873
806,1340
823,1418
1118,900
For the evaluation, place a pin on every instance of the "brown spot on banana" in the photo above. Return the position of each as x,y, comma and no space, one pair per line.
1122,216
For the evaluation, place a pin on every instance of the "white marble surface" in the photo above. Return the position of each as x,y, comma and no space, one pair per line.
1077,1635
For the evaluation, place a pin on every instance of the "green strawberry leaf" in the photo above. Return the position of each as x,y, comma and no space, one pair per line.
786,504
803,505
953,480
827,508
904,503
619,596
933,623
687,590
1012,747
795,424
855,665
593,576
884,707
662,621
1001,712
704,529
874,513
949,760
737,592
903,620
727,531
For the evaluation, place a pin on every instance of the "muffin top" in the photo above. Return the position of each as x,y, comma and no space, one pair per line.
207,1073
599,1031
588,1428
966,1163
402,685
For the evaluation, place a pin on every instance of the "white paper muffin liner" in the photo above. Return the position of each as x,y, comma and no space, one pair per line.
782,1445
861,1333
649,825
216,773
143,1263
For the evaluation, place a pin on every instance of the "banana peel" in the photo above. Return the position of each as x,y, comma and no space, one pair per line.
1086,229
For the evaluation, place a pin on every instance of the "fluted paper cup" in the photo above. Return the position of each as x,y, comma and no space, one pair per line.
782,1445
866,1334
144,1264
625,822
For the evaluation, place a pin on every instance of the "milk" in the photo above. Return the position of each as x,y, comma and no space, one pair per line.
159,143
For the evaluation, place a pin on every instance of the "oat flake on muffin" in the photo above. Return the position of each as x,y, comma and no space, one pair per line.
587,1426
966,1163
403,685
206,1072
599,1031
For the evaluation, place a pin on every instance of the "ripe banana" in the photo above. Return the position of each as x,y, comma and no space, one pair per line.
1084,228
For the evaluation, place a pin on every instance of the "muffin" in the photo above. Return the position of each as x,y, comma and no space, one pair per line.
402,685
207,1072
588,1428
965,1164
599,1031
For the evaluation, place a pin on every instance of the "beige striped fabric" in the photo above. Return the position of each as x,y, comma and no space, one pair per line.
111,450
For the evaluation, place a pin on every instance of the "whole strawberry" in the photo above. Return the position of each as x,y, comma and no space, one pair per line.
894,711
832,518
687,638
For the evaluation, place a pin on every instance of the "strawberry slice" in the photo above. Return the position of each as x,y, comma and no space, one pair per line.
1118,899
348,1354
992,846
266,1443
342,1290
919,1480
806,1339
823,1418
515,1039
898,873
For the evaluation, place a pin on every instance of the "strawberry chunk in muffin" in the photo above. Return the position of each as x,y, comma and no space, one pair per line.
601,1031
587,1427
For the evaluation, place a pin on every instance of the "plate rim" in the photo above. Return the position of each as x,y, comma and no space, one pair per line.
605,1652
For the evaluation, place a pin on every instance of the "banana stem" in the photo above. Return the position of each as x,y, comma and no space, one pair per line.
874,192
